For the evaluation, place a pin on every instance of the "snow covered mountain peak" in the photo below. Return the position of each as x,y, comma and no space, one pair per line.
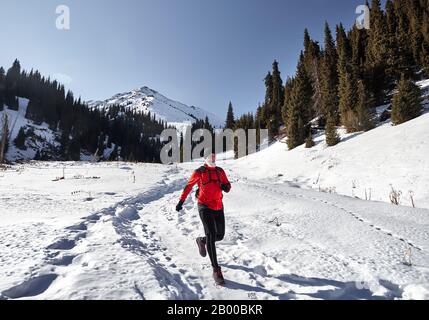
147,91
147,100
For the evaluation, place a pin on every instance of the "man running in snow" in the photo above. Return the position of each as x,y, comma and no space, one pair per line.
211,181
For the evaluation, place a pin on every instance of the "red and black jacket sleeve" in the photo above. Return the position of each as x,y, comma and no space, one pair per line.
224,180
195,178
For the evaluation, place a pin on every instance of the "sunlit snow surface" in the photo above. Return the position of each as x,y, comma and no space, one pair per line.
110,231
297,225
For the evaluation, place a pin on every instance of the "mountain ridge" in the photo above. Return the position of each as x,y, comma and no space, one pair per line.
148,100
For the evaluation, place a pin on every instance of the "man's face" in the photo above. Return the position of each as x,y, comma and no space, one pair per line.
211,160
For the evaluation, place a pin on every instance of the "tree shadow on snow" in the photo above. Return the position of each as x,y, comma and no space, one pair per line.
244,287
329,289
351,136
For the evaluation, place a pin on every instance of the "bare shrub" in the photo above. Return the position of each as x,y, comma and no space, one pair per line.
411,193
408,257
368,194
395,196
331,190
354,187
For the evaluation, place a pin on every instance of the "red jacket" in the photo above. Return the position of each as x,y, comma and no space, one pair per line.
209,182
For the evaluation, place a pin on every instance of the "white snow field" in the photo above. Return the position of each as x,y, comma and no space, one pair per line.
364,165
110,231
298,226
367,165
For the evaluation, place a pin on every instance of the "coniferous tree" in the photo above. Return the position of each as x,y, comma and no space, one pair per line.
277,96
377,53
415,13
207,125
230,119
245,122
295,128
404,61
329,78
287,98
363,109
392,47
344,49
400,59
64,145
311,60
332,137
275,102
74,150
358,42
101,146
2,88
407,102
12,85
298,109
347,82
309,142
258,122
348,102
20,139
4,138
258,117
268,98
424,54
307,41
270,116
317,102
329,88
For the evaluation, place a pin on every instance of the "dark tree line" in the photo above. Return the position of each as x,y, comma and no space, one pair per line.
129,135
341,82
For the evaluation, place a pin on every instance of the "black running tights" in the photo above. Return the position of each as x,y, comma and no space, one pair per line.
214,228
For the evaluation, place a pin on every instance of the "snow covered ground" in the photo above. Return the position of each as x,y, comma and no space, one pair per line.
110,231
364,165
297,224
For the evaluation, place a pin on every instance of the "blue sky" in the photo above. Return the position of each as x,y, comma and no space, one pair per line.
199,52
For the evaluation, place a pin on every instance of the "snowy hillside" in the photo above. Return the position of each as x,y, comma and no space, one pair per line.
40,137
146,100
110,231
370,163
364,165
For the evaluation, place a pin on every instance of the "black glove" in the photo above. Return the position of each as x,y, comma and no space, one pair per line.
225,187
179,206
